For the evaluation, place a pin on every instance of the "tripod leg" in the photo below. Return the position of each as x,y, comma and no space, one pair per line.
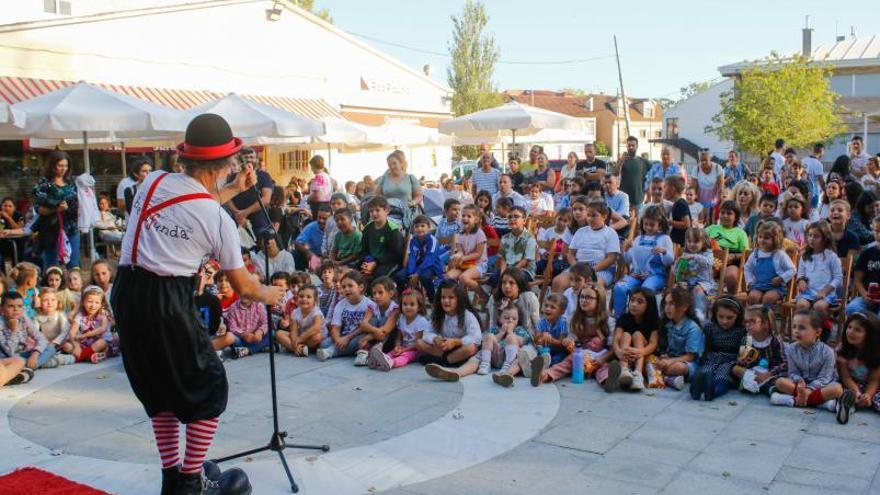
293,487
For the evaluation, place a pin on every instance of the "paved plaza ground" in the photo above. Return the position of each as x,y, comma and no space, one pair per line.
401,433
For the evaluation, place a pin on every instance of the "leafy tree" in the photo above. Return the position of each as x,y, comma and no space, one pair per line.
474,55
789,98
601,147
309,5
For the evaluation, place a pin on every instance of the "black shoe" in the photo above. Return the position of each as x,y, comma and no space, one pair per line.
231,482
211,470
709,387
23,376
699,385
169,479
845,405
612,383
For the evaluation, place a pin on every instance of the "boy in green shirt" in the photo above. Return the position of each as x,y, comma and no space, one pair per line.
382,241
347,242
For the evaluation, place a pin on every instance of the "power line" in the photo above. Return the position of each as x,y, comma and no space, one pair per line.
507,62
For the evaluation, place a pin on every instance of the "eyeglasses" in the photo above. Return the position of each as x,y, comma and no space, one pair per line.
587,298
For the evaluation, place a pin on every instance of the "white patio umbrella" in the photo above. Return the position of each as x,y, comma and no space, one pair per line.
511,119
86,111
10,116
251,120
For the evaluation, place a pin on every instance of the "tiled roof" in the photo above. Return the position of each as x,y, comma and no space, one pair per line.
577,106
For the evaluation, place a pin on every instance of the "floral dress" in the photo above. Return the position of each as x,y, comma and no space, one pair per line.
50,195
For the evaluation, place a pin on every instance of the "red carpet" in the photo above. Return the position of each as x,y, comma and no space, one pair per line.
33,481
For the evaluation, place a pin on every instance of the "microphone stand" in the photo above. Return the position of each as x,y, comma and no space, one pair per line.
277,441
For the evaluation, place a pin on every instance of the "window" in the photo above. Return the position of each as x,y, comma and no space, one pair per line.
672,128
658,134
64,8
49,7
643,133
57,7
294,161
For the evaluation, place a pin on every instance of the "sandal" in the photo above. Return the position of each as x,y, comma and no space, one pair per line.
98,357
23,376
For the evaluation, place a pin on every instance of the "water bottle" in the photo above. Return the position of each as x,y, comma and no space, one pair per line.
543,350
762,366
577,365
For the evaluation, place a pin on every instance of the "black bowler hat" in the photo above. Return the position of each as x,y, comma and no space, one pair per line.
208,137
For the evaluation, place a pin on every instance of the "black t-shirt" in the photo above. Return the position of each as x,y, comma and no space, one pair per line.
680,211
847,243
248,197
590,168
209,311
517,179
869,264
629,325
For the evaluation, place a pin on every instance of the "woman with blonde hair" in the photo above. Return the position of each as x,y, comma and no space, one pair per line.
746,196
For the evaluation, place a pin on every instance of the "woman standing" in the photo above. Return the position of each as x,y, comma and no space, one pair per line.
397,184
167,352
56,202
708,179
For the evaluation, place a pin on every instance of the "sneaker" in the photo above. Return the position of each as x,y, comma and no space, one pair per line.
525,362
98,357
626,377
439,372
484,368
51,363
778,399
378,360
65,359
612,383
638,382
537,366
304,350
361,358
700,385
505,368
23,376
844,406
676,382
503,379
324,353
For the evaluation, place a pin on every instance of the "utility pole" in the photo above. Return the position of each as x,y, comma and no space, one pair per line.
622,92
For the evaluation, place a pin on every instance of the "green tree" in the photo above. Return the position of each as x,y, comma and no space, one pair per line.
474,55
777,97
309,5
601,148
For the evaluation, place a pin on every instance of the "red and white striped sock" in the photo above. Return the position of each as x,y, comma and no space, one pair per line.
199,436
166,429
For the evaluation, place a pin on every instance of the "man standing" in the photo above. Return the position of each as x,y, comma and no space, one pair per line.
666,168
529,167
633,170
592,167
778,157
486,178
858,156
734,170
485,148
245,205
815,171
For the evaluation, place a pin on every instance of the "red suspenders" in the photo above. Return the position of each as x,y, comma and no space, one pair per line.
147,210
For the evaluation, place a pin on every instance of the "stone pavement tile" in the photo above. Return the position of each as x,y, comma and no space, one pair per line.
690,482
863,426
592,434
533,462
116,446
630,449
760,424
719,409
633,406
650,472
837,456
73,430
676,430
592,484
424,416
742,459
795,481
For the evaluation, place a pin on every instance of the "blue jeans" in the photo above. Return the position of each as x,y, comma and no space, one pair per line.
860,305
350,350
49,255
45,356
627,284
252,348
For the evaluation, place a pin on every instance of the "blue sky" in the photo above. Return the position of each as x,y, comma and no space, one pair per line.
663,45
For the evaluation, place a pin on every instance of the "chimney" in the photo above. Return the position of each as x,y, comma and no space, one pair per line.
590,103
807,49
427,70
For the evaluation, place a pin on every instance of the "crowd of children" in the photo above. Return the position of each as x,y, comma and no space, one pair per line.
682,292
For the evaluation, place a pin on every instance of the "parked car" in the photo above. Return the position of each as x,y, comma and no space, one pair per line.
463,169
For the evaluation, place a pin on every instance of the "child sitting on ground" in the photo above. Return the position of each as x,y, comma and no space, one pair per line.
551,331
635,338
811,378
54,325
381,318
580,274
302,329
723,335
90,328
761,358
400,347
682,342
454,337
248,323
858,363
69,297
19,335
25,275
500,346
346,323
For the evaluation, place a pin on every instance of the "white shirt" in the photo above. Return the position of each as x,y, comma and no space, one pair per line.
177,240
551,235
124,184
814,168
592,246
858,163
409,332
282,262
517,198
778,162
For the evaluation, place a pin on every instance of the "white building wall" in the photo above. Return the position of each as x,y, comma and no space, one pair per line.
695,113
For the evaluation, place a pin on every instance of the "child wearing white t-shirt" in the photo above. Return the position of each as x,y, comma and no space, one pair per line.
557,238
596,244
349,315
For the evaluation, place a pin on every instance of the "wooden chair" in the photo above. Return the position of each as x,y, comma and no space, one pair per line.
720,257
740,293
542,280
836,311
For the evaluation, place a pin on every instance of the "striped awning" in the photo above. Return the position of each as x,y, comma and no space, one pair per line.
16,89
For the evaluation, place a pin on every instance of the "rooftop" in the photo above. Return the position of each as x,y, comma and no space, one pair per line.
848,53
578,105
